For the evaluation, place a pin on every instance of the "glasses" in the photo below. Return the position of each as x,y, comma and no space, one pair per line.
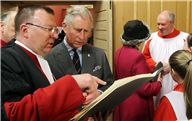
51,29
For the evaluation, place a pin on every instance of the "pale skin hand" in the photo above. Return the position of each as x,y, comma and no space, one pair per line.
90,97
166,68
89,84
160,77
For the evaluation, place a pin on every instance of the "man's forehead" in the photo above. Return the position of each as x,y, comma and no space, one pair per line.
43,17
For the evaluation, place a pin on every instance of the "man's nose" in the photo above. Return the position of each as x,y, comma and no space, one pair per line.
82,35
160,26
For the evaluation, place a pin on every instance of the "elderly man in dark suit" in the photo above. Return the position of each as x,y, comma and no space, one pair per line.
77,26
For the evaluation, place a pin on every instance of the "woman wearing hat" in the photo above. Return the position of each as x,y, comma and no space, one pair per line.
129,61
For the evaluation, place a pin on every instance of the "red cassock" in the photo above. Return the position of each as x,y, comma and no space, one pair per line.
165,110
139,106
26,93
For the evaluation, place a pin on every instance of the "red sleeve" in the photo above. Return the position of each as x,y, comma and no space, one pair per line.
150,89
140,67
147,55
57,102
165,111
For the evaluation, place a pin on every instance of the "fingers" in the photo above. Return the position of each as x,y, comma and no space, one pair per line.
85,94
91,96
88,83
99,81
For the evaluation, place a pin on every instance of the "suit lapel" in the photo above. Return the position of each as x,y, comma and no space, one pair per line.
36,76
88,59
65,61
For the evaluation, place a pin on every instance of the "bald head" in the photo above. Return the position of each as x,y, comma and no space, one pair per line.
165,22
168,15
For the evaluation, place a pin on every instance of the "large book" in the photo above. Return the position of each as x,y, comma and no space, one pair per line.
115,94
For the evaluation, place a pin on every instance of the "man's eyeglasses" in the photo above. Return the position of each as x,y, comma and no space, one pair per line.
51,29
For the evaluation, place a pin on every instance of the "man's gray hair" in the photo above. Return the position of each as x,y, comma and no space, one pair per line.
77,10
6,16
171,16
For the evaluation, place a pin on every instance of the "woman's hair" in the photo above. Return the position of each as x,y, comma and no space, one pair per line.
181,62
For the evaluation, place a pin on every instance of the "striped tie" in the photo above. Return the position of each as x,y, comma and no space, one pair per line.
76,61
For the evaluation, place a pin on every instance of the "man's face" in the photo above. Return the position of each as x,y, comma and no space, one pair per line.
41,40
78,31
164,25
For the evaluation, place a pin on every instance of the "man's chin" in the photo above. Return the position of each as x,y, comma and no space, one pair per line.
48,50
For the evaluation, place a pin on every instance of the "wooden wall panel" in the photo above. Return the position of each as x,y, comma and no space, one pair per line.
154,8
103,31
123,11
141,10
190,23
181,15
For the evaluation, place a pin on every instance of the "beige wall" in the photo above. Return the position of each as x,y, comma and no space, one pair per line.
147,11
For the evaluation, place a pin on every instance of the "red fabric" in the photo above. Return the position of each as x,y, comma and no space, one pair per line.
171,35
147,55
34,58
139,106
2,43
57,102
165,111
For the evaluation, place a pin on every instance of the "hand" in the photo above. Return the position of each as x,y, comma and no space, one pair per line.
90,97
160,77
88,83
90,119
166,68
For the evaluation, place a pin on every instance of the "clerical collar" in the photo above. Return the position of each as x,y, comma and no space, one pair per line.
43,63
24,46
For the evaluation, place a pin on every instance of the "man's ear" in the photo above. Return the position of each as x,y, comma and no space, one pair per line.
64,27
24,30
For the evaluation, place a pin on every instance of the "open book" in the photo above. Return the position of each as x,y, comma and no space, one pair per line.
115,94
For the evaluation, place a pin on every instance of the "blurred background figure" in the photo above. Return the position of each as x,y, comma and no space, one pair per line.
188,43
177,105
130,62
7,27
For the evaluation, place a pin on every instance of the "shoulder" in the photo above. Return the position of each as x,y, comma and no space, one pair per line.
184,34
9,51
58,49
93,49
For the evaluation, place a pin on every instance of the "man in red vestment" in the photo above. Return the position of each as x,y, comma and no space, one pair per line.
29,91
